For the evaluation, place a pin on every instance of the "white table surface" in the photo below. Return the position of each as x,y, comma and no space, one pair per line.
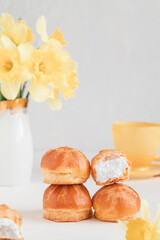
28,201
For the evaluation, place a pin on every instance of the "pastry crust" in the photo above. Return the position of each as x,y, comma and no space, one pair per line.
66,215
104,155
65,165
67,203
15,216
61,178
116,202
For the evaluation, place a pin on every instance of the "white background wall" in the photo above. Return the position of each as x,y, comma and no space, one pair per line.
117,46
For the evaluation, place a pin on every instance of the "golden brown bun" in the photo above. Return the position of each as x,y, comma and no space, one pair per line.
116,202
65,165
105,154
15,216
67,203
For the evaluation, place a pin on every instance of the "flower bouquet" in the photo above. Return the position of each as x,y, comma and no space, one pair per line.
43,73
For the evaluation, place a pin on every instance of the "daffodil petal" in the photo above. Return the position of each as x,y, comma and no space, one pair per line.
6,21
57,35
156,222
123,225
19,33
139,229
68,92
24,75
41,28
30,37
54,101
25,51
157,236
145,210
7,43
39,90
52,44
10,88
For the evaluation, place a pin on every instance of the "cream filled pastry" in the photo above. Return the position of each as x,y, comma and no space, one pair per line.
110,166
10,222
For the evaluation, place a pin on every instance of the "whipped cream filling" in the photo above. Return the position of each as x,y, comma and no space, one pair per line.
112,166
9,229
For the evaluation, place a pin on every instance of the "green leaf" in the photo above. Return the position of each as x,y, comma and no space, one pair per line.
27,96
22,91
19,93
2,98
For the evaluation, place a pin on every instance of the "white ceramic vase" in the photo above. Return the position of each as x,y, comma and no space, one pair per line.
16,148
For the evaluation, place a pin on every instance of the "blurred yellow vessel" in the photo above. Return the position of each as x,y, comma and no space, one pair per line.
140,141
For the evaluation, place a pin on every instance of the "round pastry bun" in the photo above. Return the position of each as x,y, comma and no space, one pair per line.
65,165
67,203
116,202
110,166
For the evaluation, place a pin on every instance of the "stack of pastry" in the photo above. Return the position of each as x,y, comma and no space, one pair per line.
66,199
114,201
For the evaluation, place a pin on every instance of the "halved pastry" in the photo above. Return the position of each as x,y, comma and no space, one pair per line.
110,166
10,223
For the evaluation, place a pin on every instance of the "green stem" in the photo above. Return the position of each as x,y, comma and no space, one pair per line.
2,98
23,88
27,96
19,94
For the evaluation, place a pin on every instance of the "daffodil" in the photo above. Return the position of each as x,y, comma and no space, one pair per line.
12,68
18,32
52,69
142,228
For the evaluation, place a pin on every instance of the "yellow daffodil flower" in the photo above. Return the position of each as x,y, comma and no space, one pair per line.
12,69
18,32
49,67
52,69
142,228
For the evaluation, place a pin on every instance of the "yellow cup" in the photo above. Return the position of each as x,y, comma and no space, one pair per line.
139,140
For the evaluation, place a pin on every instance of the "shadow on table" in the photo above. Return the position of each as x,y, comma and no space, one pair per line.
32,215
37,215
